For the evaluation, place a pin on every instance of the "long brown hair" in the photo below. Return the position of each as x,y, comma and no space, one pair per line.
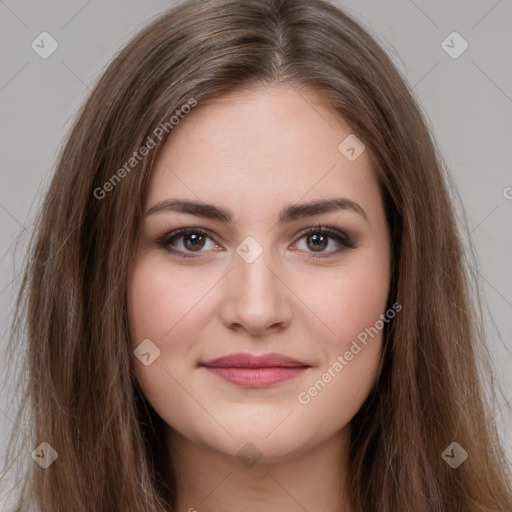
81,396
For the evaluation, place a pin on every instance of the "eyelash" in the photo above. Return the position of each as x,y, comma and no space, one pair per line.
167,238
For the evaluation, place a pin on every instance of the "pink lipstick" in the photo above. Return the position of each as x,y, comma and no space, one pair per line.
255,371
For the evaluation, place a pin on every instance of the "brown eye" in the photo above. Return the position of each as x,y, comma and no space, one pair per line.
320,238
317,241
193,242
187,240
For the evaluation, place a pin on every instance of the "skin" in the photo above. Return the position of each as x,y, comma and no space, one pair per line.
253,152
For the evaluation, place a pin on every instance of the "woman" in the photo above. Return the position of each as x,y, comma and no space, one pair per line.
247,288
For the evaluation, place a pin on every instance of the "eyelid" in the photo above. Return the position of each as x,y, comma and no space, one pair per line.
167,237
340,236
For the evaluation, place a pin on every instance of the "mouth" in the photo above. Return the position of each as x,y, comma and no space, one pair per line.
255,371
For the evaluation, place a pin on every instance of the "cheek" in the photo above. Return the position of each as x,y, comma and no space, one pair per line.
347,300
351,353
163,300
351,305
339,389
161,307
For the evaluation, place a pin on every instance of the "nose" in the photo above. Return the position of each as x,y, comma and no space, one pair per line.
255,297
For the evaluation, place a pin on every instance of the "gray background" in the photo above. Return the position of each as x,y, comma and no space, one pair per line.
467,102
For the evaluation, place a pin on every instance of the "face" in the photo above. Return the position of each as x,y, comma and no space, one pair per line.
262,322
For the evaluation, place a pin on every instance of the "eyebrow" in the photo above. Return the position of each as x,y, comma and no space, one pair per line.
289,213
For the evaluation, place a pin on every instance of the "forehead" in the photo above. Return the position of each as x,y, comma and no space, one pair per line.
259,144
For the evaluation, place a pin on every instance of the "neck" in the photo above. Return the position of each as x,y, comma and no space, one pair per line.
210,481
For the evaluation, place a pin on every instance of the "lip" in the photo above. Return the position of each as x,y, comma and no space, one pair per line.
250,370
